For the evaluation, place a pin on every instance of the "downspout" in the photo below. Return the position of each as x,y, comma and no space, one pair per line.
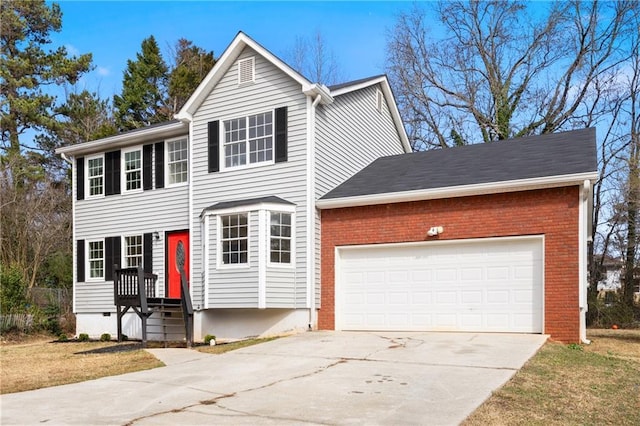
583,231
311,212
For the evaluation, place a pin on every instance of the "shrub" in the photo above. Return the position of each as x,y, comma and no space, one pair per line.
125,337
106,337
62,337
208,338
83,337
604,314
13,291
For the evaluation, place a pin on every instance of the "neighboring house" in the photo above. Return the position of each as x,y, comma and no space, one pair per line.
489,237
612,275
233,182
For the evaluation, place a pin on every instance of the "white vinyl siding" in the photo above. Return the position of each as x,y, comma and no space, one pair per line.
159,210
95,176
132,170
177,161
238,287
350,134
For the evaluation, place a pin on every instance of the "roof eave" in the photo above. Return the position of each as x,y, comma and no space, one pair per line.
458,191
143,135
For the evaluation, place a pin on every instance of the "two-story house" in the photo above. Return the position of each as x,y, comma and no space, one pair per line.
229,188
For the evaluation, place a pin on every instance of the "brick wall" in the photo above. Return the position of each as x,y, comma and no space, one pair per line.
551,212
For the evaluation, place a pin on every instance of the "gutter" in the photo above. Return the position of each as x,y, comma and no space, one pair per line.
456,191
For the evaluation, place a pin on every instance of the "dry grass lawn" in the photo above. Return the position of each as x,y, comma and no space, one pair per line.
29,363
42,363
597,384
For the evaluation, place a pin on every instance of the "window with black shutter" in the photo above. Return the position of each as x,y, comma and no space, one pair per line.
112,173
159,164
214,146
281,135
80,178
147,167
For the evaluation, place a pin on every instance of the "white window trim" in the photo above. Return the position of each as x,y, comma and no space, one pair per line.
87,186
219,254
123,171
87,249
166,162
123,249
292,242
252,61
247,165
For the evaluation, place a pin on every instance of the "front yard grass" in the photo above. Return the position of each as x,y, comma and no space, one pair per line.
38,362
594,384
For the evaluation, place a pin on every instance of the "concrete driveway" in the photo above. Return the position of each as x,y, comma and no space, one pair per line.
310,378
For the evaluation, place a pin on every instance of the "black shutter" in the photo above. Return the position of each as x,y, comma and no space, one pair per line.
147,250
112,172
147,167
80,261
80,178
160,165
281,135
214,146
111,256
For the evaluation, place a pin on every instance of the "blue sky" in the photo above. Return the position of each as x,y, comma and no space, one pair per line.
112,31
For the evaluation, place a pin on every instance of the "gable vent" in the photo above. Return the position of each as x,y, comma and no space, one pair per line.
379,100
246,71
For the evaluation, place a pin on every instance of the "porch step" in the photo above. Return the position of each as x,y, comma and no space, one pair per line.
166,322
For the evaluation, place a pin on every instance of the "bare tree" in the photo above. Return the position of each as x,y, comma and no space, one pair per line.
632,190
311,57
35,220
500,72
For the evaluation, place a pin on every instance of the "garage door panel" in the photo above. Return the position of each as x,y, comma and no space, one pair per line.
466,286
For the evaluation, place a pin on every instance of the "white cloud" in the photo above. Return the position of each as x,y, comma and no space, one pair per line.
102,71
72,50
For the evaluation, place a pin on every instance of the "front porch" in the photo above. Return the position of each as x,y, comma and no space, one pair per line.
165,319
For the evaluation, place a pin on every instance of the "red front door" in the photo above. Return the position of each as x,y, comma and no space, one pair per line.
177,254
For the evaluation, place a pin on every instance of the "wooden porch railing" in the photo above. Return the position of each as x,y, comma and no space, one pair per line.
136,290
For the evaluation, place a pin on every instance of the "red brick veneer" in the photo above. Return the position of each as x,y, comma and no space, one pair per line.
552,212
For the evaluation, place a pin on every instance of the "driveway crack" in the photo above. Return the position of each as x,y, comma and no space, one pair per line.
217,399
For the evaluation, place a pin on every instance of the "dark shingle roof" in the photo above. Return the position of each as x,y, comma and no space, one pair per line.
354,82
522,158
246,202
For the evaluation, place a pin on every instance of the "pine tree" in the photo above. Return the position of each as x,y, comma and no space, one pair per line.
26,69
191,65
143,101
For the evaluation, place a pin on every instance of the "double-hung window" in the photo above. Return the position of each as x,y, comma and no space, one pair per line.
96,259
177,161
132,170
95,176
248,140
235,239
280,238
133,251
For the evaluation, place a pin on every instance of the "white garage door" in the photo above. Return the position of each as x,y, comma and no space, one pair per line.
492,285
